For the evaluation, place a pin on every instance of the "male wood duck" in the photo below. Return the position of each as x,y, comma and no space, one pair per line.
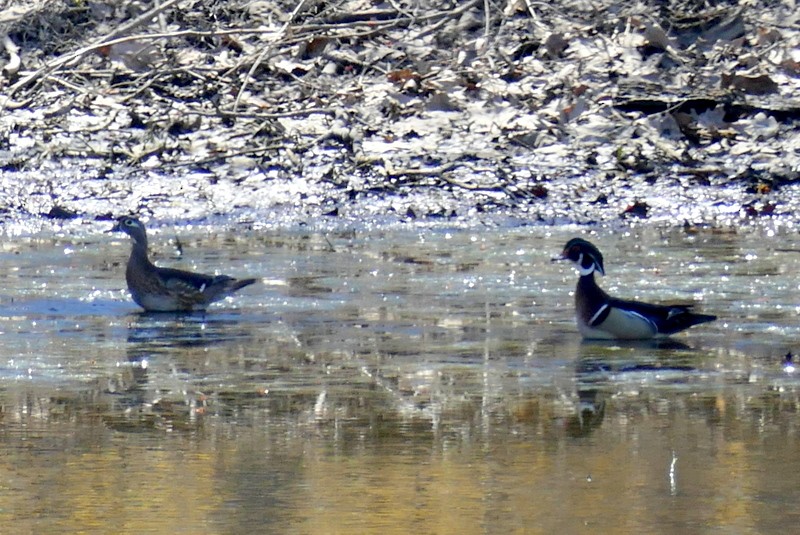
158,289
601,316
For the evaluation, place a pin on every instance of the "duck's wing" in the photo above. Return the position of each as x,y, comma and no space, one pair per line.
668,319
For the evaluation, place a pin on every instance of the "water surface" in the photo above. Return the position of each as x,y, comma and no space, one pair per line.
391,381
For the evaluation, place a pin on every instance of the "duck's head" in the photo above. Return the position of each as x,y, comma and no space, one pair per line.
584,255
133,228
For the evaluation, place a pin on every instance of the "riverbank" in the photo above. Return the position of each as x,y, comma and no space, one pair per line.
565,113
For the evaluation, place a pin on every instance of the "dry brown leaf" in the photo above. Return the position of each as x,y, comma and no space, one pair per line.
555,44
579,90
791,66
767,36
402,76
656,37
313,47
752,85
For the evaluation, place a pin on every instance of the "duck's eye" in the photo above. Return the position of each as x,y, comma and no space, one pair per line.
130,223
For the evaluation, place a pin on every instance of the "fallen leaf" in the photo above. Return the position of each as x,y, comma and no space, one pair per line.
402,76
791,66
767,36
637,209
555,44
752,85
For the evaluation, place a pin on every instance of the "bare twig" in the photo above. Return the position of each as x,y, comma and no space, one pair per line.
424,171
444,16
68,58
14,61
264,52
258,151
486,19
266,116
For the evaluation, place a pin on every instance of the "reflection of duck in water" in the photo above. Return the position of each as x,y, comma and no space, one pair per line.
601,316
590,411
598,376
788,363
157,289
172,333
165,353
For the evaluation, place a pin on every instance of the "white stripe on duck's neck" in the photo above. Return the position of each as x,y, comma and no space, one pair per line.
584,271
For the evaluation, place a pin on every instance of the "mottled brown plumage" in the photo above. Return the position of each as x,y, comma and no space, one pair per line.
158,289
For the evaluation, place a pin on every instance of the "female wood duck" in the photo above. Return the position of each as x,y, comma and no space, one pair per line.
157,289
601,316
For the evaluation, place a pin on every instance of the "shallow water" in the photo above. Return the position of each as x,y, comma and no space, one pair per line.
395,381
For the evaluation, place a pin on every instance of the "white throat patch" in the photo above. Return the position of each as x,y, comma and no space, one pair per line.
584,270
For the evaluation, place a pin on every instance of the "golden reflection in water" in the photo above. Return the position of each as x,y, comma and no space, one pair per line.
519,469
